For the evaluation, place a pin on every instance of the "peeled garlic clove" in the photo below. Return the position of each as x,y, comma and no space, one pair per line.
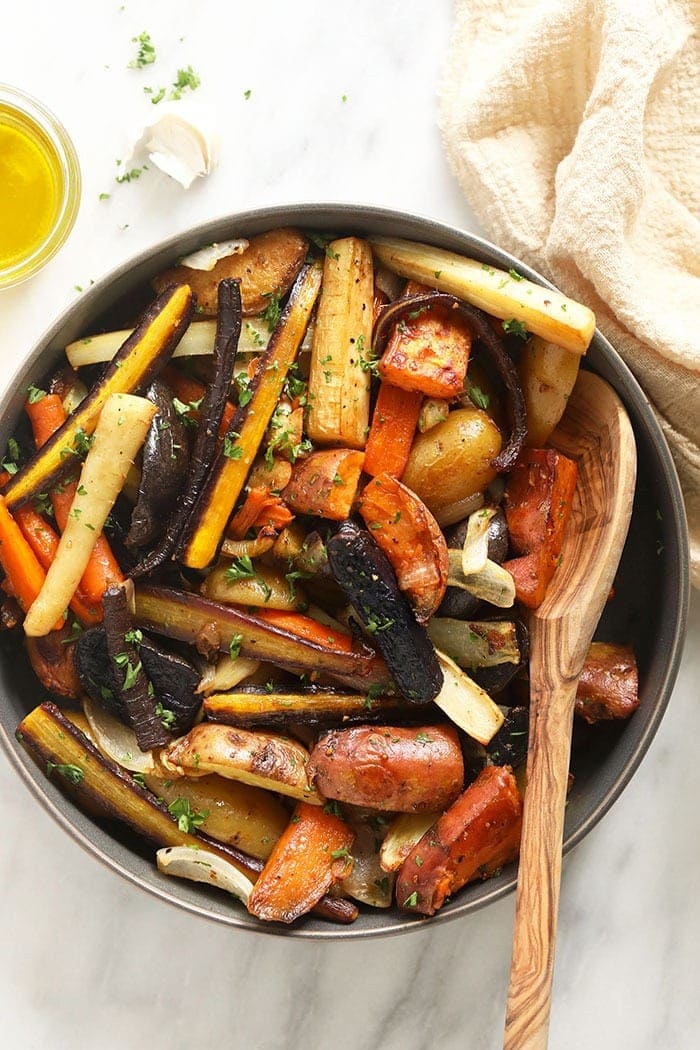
199,865
180,143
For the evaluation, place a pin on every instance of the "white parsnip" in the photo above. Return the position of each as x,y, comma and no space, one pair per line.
502,293
339,386
197,341
118,436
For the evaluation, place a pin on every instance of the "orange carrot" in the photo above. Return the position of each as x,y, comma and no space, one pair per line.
428,351
44,542
188,390
306,627
312,854
260,510
393,425
102,572
24,573
325,483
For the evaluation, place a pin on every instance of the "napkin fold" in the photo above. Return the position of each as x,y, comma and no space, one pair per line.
572,126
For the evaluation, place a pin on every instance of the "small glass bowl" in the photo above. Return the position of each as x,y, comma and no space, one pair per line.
51,139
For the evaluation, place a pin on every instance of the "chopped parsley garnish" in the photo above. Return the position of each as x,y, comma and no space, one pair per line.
240,569
273,311
411,901
187,819
185,79
292,577
74,774
185,410
230,449
134,635
234,649
131,175
514,327
478,397
34,394
245,394
515,275
75,631
332,808
340,854
146,54
247,93
166,716
322,241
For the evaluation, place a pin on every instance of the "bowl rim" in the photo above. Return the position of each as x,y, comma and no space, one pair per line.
344,215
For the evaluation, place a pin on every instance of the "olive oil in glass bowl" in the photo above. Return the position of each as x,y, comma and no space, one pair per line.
39,185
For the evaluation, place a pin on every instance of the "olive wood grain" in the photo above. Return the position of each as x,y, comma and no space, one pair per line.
597,433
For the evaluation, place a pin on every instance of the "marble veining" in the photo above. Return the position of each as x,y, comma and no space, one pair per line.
90,962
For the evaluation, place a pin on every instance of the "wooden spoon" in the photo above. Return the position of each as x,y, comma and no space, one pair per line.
597,433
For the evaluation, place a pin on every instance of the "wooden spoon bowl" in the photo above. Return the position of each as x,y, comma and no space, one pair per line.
597,433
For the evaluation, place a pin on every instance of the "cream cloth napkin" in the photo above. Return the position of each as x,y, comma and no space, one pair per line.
573,128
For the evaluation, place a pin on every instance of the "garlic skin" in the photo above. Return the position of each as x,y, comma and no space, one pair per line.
207,258
180,142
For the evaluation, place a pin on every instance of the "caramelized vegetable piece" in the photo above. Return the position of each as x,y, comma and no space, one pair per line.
466,703
261,510
264,760
506,295
454,459
367,578
394,422
213,627
389,767
46,417
134,367
339,381
71,759
120,431
547,374
476,836
538,499
403,527
253,709
325,483
23,570
264,587
245,434
233,813
427,351
133,688
215,413
608,686
266,270
402,835
310,857
51,658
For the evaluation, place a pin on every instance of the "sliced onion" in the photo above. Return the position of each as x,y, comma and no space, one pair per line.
207,258
475,552
492,584
466,704
226,674
199,865
367,882
250,548
116,740
475,644
451,513
405,831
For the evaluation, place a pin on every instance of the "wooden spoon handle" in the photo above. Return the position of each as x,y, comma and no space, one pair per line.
539,874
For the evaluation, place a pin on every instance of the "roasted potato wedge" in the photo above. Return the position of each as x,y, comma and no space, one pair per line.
389,768
265,760
266,268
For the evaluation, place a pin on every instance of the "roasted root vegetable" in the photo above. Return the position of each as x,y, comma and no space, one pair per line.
405,770
538,499
264,760
367,881
466,703
394,422
74,762
122,426
213,627
454,459
608,686
311,856
405,830
365,574
51,658
427,347
542,310
47,415
339,380
259,586
231,812
134,367
477,835
22,567
403,527
244,436
325,483
266,271
547,375
252,709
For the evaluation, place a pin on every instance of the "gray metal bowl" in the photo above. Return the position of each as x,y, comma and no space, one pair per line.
650,607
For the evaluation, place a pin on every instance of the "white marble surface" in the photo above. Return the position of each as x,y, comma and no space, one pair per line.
88,961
